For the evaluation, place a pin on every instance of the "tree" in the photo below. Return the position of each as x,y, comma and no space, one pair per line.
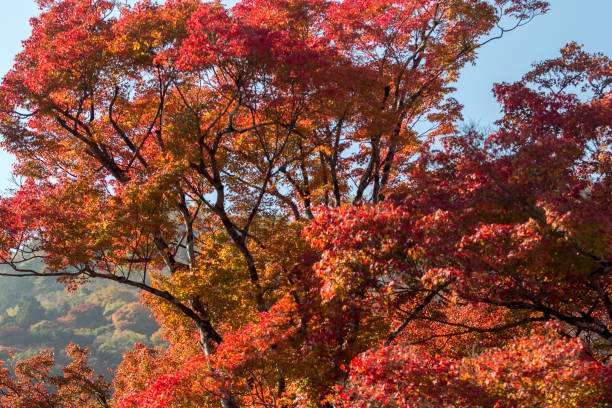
30,312
34,386
87,315
258,173
167,121
135,317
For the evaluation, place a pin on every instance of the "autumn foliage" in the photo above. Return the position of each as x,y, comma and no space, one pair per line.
35,386
262,175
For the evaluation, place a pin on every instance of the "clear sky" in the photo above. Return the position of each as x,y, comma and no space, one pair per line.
584,21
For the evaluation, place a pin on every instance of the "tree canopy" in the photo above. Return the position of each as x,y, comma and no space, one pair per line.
289,184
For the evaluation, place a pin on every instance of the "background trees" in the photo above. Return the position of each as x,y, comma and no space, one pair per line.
84,317
285,182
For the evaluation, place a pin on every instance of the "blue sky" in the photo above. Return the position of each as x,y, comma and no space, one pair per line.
584,21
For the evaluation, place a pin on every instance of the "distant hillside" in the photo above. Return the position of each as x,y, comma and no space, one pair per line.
38,313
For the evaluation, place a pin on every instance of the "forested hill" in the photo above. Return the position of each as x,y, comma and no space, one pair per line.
38,314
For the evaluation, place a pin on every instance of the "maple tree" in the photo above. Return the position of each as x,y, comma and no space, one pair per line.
34,385
259,173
